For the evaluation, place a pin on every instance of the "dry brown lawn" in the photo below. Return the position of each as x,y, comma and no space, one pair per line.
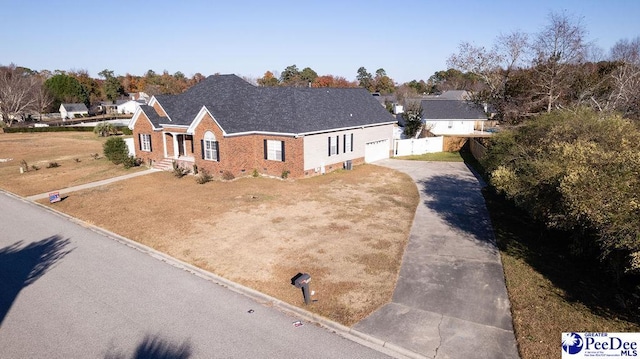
71,150
348,229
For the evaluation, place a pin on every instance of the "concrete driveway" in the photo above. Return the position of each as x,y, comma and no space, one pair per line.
450,300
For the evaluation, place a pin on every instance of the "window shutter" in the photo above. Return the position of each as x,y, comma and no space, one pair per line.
337,145
140,141
329,138
344,143
192,145
216,145
202,148
150,148
282,143
352,142
265,149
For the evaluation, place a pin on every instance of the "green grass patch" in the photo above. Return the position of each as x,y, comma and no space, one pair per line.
435,157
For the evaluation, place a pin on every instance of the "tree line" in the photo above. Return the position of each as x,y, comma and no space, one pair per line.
569,151
556,68
24,92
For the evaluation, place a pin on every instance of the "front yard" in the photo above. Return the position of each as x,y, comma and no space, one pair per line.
348,229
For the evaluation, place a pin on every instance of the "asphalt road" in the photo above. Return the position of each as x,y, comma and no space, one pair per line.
68,291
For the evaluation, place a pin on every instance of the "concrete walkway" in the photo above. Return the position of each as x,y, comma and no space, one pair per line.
92,184
450,300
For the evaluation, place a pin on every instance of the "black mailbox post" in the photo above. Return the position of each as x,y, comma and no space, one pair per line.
301,280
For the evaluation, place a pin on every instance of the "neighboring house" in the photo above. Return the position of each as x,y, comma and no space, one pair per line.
140,96
129,107
452,117
111,107
225,124
70,110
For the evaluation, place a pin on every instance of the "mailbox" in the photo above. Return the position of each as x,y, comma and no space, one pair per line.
301,280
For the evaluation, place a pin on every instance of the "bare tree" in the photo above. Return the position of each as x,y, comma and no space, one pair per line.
559,46
495,68
625,96
16,93
43,98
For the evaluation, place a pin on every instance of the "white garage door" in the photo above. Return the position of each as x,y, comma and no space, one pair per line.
376,150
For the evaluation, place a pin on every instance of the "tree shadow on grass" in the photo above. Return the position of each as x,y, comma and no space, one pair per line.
155,347
581,280
21,265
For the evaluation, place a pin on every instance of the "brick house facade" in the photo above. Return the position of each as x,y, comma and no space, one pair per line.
226,124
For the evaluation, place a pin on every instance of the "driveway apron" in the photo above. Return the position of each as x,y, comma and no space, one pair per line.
450,300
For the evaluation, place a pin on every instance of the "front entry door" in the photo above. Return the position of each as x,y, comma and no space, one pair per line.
180,145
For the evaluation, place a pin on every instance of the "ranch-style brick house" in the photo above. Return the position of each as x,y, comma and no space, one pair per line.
225,124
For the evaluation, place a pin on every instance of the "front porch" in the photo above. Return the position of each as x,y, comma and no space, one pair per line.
178,148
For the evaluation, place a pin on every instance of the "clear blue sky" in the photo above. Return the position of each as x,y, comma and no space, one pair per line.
410,39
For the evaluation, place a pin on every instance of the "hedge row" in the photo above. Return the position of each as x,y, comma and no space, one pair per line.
123,129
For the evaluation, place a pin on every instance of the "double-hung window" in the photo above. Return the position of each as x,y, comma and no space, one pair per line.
274,150
210,150
347,142
145,142
334,145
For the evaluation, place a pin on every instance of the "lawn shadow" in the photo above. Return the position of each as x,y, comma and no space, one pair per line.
155,347
21,266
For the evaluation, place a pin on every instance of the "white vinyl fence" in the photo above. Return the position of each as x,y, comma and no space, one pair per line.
418,146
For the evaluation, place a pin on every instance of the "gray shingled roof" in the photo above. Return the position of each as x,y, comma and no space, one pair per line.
152,115
437,109
75,107
241,107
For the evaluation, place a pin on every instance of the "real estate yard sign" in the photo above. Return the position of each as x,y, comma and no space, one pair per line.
54,197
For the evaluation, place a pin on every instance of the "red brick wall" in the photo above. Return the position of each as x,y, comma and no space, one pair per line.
240,155
143,125
158,108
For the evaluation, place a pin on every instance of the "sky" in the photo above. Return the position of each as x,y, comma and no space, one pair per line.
409,39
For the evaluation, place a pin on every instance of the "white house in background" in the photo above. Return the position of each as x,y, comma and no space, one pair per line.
70,110
129,107
452,117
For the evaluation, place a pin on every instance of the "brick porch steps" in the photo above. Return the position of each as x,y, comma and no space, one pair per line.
165,164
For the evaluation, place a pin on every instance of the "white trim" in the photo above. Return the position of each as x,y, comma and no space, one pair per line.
196,121
134,119
281,134
288,134
346,128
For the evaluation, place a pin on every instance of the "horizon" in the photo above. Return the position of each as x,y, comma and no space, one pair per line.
250,38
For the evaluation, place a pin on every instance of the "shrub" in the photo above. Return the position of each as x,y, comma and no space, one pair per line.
577,172
203,177
255,173
227,176
195,169
131,162
179,171
285,174
34,167
115,150
53,165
